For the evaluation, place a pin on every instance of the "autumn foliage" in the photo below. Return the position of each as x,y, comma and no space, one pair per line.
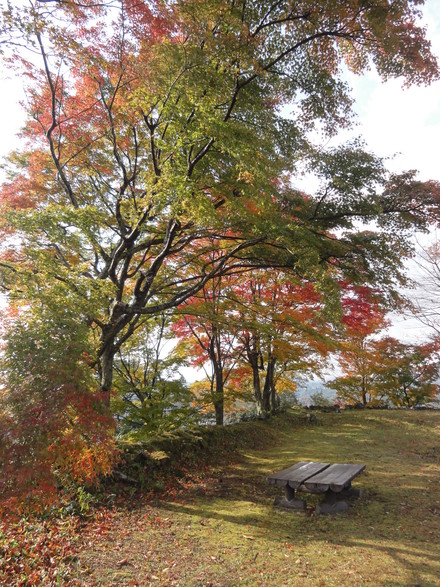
378,369
65,434
157,162
253,333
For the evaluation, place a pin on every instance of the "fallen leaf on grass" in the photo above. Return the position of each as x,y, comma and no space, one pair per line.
123,562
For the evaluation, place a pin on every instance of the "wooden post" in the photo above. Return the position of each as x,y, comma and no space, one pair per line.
289,500
331,504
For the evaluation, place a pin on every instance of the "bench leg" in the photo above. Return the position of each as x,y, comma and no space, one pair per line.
289,500
331,504
350,491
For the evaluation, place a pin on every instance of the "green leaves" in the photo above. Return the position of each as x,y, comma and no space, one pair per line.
157,136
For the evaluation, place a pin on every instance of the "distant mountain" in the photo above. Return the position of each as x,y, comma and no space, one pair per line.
305,389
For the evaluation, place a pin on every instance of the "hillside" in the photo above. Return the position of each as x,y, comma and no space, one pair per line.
218,526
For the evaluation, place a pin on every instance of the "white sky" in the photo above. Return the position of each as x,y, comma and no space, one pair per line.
395,122
406,121
403,124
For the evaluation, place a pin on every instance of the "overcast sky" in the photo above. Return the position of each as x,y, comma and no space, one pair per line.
406,121
403,124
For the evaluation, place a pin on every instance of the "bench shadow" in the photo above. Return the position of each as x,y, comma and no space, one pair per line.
418,561
252,508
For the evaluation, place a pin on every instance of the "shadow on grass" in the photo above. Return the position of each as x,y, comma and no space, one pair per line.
395,525
418,556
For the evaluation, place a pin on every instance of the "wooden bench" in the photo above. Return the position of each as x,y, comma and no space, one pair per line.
334,481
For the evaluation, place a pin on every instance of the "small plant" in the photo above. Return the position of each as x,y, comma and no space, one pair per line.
84,500
288,399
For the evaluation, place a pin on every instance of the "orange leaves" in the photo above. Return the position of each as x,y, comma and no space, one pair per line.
81,458
35,553
17,195
61,434
246,324
74,445
28,186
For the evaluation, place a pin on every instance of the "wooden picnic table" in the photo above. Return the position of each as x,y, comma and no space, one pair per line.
332,480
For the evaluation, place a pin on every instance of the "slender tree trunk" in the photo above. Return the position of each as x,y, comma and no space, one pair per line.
215,356
274,399
219,397
253,358
364,391
106,369
269,386
406,397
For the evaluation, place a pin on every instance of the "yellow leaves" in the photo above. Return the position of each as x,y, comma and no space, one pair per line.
246,177
285,383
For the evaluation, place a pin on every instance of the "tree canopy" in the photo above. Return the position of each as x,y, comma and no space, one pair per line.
158,133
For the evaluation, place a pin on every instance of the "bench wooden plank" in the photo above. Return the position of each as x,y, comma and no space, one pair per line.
336,478
296,475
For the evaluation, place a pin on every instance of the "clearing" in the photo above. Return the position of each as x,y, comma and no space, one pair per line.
219,528
222,529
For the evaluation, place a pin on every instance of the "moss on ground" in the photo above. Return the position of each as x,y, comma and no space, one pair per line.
218,527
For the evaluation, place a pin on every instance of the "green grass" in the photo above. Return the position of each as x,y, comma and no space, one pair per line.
220,528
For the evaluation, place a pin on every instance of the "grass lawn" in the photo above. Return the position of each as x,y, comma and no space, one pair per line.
219,527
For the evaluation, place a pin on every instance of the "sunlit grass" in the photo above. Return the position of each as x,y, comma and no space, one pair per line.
224,530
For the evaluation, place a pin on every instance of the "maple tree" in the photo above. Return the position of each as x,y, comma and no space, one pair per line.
254,331
407,374
154,125
381,370
281,332
54,430
207,336
364,317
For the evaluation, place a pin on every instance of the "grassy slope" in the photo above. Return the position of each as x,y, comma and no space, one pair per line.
221,529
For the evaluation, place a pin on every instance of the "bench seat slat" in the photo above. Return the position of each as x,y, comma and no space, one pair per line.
336,477
295,475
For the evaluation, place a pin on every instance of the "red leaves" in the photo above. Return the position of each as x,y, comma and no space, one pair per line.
363,312
37,553
65,439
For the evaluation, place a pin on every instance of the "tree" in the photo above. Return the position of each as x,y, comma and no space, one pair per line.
364,318
407,374
53,428
153,125
280,330
141,139
425,305
206,337
381,369
151,395
252,330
